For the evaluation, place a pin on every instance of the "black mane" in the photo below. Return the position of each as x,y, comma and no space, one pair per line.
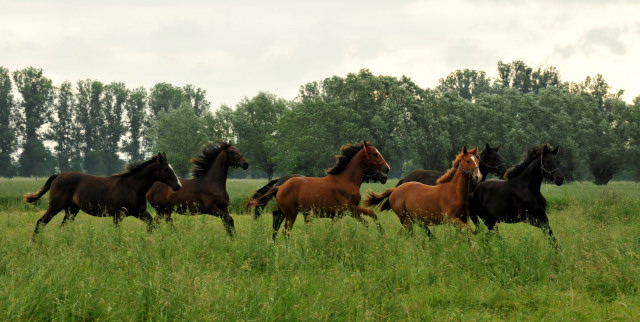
207,155
346,154
136,166
531,154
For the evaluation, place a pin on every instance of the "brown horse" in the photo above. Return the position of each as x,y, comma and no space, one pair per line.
414,201
206,193
328,196
116,196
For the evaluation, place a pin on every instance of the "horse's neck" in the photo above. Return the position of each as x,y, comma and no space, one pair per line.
532,175
484,170
353,172
460,182
142,180
218,170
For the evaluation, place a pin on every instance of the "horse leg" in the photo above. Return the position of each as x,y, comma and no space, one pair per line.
227,221
539,219
288,225
69,215
423,224
407,223
278,218
146,217
44,220
363,211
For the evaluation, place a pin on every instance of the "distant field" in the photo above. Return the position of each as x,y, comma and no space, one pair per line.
327,270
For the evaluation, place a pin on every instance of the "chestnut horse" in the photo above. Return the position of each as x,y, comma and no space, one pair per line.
415,201
371,175
206,193
328,196
117,196
518,198
490,162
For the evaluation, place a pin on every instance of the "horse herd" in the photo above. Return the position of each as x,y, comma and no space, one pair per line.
424,197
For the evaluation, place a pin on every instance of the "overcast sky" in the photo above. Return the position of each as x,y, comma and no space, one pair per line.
234,49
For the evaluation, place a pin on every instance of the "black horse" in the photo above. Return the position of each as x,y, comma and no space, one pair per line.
518,198
490,162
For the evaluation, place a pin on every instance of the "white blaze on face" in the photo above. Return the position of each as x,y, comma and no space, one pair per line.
479,174
385,161
174,174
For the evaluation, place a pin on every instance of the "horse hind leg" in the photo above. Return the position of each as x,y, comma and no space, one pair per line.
69,215
278,218
45,219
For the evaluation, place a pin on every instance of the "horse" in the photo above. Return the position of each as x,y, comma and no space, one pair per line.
206,192
518,199
490,162
415,201
328,196
371,175
116,196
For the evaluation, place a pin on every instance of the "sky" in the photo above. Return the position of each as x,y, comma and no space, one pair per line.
235,49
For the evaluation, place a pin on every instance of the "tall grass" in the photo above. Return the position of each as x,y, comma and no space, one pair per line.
327,270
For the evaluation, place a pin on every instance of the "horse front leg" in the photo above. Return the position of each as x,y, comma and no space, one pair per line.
539,219
363,211
69,215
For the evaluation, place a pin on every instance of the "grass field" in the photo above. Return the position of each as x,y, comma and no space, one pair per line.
91,270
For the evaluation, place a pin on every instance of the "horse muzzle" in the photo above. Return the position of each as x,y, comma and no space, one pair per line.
176,187
559,180
245,166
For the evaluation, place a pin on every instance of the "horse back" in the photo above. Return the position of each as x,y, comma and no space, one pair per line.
428,177
312,192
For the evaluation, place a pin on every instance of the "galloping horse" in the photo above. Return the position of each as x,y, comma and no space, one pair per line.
328,196
518,198
415,201
206,193
490,162
117,196
370,175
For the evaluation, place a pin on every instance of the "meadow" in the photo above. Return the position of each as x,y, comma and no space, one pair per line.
327,270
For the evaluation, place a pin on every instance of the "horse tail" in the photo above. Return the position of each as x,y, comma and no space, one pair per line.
260,192
33,197
262,201
375,199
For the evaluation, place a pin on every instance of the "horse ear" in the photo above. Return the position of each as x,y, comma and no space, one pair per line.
497,148
464,150
487,147
474,150
546,149
555,151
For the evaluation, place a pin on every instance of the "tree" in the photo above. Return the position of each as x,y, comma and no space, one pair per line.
113,130
37,97
179,134
63,129
198,99
8,114
254,121
90,118
165,97
469,84
136,110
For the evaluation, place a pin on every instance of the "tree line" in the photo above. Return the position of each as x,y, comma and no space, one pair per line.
97,128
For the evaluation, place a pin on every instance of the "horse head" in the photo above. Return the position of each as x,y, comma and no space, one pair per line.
490,159
374,175
165,173
469,164
374,159
550,166
235,158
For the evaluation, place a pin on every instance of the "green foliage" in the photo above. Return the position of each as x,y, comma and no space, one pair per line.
327,270
179,134
8,115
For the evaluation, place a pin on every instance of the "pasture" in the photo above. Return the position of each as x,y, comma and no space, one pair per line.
192,270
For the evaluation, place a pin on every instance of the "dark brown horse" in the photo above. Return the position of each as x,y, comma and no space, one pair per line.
206,193
328,196
518,198
490,162
425,204
116,196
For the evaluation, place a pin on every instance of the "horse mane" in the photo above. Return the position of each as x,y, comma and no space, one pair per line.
530,154
346,154
207,155
136,166
448,176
